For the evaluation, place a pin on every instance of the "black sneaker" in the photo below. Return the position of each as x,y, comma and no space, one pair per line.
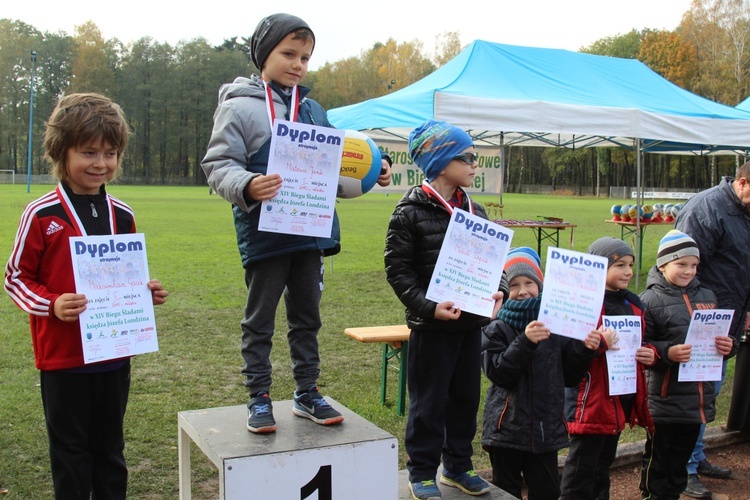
695,488
260,414
710,470
312,405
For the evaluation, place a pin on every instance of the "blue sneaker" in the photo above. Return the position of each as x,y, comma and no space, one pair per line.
425,490
260,414
469,482
312,405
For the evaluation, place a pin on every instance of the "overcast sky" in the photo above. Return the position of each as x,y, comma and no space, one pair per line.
345,28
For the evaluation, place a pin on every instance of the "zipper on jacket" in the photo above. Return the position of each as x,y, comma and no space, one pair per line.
665,382
700,403
585,396
502,413
94,213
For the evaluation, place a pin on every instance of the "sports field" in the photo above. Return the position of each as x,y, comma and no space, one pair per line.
192,249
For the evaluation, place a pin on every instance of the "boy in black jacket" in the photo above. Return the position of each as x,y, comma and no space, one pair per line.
523,414
443,362
677,408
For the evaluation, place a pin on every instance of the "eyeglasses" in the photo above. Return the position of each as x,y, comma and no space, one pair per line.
468,158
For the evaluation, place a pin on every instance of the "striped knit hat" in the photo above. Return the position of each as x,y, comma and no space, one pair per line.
524,261
675,245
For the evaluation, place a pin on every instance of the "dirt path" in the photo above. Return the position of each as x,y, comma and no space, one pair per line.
735,456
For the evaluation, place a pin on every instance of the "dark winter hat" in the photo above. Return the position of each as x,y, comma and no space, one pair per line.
433,145
524,261
269,32
613,249
675,245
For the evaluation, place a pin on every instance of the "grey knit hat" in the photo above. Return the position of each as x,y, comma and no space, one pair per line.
675,245
269,32
613,249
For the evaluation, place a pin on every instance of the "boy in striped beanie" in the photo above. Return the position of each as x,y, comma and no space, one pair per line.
678,408
675,245
527,367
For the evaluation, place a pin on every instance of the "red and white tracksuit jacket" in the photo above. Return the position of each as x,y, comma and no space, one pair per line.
40,270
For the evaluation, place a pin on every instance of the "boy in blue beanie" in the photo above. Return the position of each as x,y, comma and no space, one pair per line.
523,424
443,361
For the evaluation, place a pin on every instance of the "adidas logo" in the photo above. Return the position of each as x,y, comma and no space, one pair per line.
53,228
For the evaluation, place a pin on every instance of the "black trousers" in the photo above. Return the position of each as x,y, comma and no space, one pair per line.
586,470
510,468
444,382
663,473
84,413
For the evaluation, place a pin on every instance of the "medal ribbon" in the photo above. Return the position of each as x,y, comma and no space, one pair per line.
293,114
431,192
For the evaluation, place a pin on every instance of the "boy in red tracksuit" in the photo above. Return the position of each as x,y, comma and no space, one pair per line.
84,404
595,418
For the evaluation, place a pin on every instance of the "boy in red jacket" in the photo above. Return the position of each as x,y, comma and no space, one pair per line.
84,404
595,418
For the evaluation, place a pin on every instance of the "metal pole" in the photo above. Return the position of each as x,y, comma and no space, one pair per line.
638,250
31,122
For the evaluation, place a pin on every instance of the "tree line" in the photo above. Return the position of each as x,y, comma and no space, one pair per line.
169,94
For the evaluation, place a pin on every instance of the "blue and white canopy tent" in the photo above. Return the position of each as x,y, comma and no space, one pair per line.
744,105
509,95
505,95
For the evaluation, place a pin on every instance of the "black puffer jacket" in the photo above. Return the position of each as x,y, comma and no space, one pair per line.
415,235
667,322
524,405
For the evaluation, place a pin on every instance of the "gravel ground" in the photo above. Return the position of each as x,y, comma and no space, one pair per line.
735,456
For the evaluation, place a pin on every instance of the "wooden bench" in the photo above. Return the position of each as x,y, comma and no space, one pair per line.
395,339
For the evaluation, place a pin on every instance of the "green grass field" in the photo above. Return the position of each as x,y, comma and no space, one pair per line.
192,250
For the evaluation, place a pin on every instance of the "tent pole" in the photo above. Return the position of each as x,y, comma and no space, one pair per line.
502,167
638,250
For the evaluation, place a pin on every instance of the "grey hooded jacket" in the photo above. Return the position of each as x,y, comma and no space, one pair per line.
238,151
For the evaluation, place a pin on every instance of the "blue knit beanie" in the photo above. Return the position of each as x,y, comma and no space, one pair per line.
433,145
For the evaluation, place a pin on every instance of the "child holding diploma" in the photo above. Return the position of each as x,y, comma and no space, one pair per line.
678,408
275,265
596,418
443,369
84,405
523,414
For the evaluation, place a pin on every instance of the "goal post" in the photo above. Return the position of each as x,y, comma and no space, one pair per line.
7,176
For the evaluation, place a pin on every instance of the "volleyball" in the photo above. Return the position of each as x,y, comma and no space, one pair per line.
615,211
648,212
658,212
668,212
360,165
625,213
635,212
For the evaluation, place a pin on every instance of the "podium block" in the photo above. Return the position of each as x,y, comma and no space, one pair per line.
302,459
